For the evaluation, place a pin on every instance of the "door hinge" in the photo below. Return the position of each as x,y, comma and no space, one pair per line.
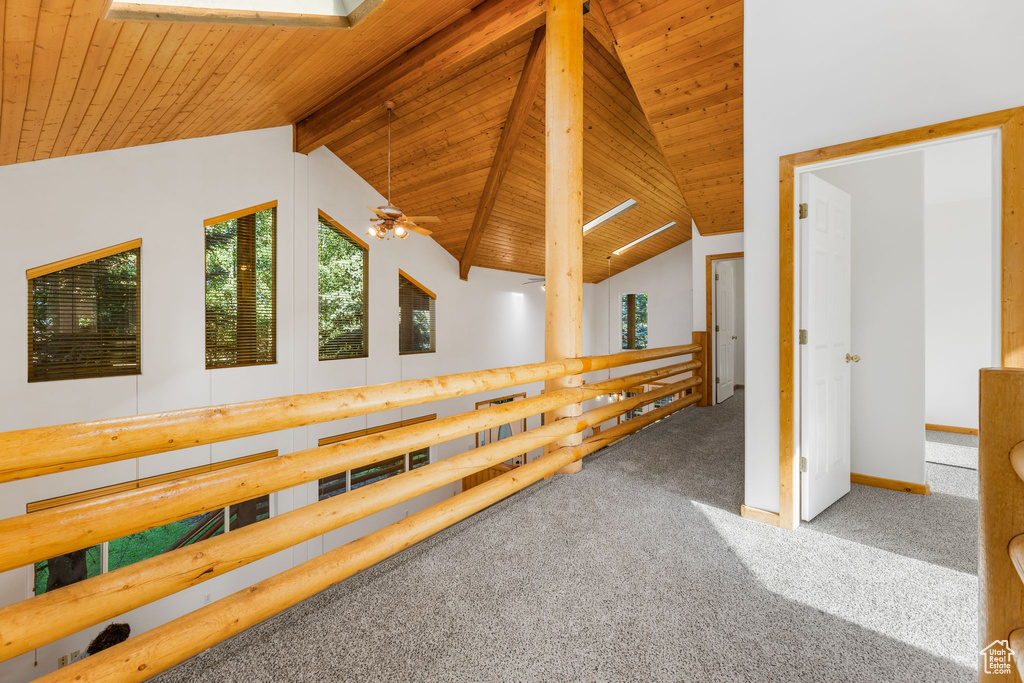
803,464
716,276
716,328
718,381
803,210
803,336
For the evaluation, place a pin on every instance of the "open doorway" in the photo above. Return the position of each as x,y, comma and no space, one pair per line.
898,311
724,274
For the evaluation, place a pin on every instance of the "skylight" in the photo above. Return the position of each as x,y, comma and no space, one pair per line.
645,237
324,7
608,215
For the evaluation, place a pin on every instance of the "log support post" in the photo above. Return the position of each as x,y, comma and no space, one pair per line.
563,270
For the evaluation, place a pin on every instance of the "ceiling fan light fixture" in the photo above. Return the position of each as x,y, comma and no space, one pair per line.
400,232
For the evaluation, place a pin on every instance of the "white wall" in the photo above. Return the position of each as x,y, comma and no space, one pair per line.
702,248
162,193
887,402
961,267
821,73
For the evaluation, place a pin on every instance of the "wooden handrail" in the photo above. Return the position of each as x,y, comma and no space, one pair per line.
43,450
164,646
49,533
52,615
1001,511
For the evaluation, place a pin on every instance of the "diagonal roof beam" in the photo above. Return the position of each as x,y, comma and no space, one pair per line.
596,22
490,24
518,115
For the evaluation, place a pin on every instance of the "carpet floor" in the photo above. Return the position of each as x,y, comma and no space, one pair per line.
945,448
640,569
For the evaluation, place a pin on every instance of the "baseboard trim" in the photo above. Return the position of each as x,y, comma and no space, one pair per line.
951,430
763,516
893,484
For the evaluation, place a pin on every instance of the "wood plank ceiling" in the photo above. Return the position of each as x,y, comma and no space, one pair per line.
685,61
444,140
73,83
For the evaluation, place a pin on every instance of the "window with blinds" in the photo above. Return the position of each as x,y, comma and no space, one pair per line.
416,316
83,316
374,472
343,274
634,321
240,288
121,552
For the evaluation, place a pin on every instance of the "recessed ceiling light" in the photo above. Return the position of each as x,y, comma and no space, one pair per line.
608,215
647,236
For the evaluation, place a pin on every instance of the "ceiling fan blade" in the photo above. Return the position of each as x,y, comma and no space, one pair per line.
423,219
416,228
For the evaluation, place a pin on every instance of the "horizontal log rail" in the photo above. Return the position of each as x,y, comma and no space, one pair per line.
49,533
55,614
161,648
43,450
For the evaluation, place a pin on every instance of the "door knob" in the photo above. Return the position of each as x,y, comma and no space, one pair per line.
852,359
735,337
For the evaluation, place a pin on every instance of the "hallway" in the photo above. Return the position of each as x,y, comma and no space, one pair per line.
640,568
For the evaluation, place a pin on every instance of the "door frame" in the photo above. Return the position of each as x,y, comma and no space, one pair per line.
1010,124
712,397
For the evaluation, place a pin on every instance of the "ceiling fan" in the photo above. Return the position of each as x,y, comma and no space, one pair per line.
390,217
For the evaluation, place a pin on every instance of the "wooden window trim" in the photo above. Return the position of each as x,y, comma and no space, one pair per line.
59,501
328,440
503,399
345,232
33,273
342,229
252,210
433,333
419,285
238,214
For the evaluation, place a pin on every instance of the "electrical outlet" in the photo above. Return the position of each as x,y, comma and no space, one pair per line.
64,660
206,599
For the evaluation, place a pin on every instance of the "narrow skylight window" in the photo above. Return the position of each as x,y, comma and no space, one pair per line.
645,237
608,215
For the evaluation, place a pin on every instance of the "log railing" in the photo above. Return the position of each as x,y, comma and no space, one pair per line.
48,533
1001,517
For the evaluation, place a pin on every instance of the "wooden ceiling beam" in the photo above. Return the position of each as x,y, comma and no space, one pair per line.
490,24
518,115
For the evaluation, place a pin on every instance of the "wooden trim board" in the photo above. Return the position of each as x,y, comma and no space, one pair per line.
342,229
1010,123
417,283
238,214
763,516
73,261
893,484
711,390
950,429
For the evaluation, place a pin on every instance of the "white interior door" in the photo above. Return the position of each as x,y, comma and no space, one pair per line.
725,322
825,306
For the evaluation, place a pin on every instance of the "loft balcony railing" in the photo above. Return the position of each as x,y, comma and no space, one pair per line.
49,533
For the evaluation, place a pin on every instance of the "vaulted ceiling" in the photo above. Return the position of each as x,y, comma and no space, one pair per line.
663,108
